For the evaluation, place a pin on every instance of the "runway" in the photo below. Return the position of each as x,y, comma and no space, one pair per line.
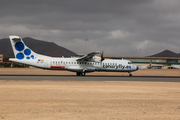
90,78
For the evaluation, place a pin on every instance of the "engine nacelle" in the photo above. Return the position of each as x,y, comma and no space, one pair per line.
89,69
75,69
79,69
96,59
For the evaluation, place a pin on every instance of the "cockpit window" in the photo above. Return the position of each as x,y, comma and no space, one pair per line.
129,63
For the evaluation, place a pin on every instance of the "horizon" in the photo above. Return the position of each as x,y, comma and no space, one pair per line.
105,55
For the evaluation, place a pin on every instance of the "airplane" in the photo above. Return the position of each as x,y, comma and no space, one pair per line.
175,67
81,65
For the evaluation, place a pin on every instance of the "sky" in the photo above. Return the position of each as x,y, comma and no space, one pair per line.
117,27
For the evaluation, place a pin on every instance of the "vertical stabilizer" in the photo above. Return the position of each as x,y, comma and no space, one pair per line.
21,51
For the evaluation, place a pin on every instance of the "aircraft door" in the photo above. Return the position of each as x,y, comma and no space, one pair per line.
45,63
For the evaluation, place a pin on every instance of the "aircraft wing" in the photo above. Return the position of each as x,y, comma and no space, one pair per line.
88,56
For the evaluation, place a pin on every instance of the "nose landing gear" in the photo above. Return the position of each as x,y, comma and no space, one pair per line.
130,74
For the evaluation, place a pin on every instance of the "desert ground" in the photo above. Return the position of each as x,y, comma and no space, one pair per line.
89,100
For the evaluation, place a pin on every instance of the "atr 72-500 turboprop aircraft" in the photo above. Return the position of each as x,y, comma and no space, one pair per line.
80,65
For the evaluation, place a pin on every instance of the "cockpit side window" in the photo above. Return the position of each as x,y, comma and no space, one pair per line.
129,63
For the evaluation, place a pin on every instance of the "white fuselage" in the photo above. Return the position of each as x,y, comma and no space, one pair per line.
71,64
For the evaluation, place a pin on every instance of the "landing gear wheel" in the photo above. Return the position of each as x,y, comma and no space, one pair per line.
83,73
130,74
78,73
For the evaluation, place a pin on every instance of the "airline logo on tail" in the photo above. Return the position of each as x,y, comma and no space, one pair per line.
23,51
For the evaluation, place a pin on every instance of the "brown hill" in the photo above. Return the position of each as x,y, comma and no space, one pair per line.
166,53
38,46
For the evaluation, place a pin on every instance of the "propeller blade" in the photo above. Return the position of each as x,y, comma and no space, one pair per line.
150,63
149,66
102,58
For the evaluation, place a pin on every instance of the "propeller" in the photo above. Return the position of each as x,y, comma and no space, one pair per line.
149,66
102,58
150,63
146,67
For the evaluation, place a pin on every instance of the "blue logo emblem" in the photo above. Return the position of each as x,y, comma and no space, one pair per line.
32,56
27,51
28,58
19,46
20,56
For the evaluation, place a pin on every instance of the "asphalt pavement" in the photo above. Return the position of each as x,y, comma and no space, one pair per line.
90,78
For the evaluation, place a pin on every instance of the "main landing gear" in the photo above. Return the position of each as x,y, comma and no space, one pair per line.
80,73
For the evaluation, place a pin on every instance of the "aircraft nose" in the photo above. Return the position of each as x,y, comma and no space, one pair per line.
137,68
